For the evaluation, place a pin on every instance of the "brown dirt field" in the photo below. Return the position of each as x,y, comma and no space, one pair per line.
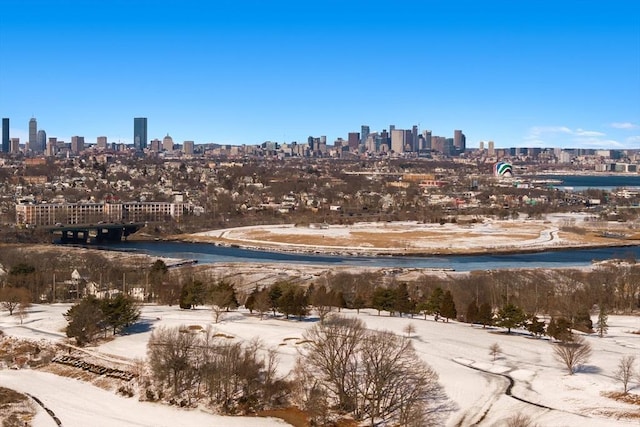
507,236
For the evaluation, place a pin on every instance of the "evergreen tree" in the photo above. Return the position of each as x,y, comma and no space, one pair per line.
403,303
275,292
119,312
510,316
435,302
193,293
448,307
602,324
560,329
383,299
223,294
85,319
485,314
472,312
582,321
535,326
251,300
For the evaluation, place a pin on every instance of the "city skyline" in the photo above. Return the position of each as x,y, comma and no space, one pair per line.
524,75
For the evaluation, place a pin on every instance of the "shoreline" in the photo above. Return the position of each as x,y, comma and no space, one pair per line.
399,252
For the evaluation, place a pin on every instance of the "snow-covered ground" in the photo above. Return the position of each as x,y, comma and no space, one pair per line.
408,237
452,349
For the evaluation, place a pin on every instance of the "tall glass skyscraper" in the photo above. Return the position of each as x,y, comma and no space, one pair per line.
33,133
140,133
6,144
41,141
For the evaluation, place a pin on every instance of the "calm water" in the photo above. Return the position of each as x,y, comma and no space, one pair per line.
598,182
208,254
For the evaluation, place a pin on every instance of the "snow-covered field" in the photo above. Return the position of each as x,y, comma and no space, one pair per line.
452,349
411,237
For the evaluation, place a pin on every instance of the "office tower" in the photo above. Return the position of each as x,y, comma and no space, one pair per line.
140,133
397,140
187,148
492,150
364,133
354,140
481,146
414,139
459,141
77,144
427,140
33,133
167,143
6,143
41,141
15,145
155,145
52,146
101,142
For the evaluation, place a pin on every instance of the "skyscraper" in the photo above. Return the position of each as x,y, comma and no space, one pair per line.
33,133
364,134
398,140
140,133
77,144
354,140
101,142
41,141
6,144
459,141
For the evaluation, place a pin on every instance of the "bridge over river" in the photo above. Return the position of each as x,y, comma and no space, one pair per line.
85,233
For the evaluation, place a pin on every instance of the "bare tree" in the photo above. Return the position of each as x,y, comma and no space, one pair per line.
11,298
410,329
495,350
625,371
171,353
375,376
520,420
573,354
321,302
23,311
332,355
395,384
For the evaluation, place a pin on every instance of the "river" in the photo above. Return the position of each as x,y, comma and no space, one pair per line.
209,254
596,182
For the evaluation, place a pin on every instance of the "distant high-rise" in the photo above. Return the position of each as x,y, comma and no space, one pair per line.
77,144
364,133
52,146
414,139
6,143
33,133
187,148
398,140
101,142
459,141
15,145
140,133
491,149
354,140
41,141
427,139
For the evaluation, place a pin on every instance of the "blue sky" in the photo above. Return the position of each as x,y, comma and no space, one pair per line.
521,73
